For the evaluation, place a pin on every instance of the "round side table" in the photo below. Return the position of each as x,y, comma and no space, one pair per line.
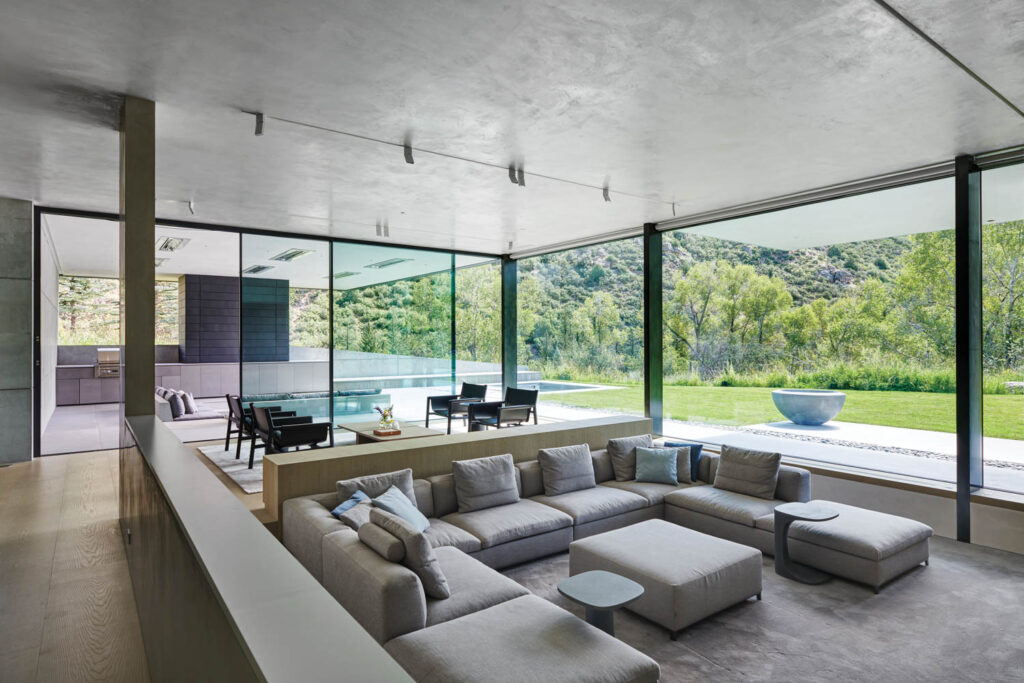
601,593
785,515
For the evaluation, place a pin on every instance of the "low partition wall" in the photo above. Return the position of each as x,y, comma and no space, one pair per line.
219,598
289,475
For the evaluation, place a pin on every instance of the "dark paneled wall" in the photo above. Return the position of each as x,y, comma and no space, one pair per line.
264,320
208,319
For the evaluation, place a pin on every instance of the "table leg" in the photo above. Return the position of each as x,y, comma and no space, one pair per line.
784,566
604,619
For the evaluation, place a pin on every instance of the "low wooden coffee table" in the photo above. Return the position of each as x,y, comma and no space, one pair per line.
364,432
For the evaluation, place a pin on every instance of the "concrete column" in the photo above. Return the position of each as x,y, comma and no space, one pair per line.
138,269
16,331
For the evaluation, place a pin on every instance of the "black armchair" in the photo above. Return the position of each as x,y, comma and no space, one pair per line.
455,405
515,410
281,433
240,422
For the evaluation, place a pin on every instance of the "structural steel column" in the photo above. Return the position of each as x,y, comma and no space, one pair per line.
138,267
969,463
653,339
509,323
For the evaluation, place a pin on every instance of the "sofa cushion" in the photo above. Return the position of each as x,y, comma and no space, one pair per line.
419,554
190,403
531,481
550,645
178,406
656,465
441,534
603,470
693,455
375,484
395,502
753,473
497,525
442,489
723,504
652,492
349,503
357,515
863,533
566,469
623,454
474,587
598,502
382,541
424,496
483,483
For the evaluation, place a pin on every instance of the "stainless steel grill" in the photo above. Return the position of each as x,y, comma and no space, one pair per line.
108,362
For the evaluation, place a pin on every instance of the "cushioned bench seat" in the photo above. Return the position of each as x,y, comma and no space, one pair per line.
860,545
525,639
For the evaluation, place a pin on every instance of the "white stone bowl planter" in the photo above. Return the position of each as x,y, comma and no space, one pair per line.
808,406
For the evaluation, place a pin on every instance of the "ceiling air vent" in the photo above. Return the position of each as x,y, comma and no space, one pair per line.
289,255
387,264
252,270
171,243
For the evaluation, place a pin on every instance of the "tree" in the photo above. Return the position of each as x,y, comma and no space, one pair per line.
762,299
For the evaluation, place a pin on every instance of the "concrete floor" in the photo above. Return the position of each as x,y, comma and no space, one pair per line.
958,619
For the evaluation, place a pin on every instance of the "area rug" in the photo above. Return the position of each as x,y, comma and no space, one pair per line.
251,481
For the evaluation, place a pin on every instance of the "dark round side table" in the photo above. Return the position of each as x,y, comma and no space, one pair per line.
601,593
785,515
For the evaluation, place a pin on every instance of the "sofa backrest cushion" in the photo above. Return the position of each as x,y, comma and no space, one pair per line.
694,454
566,469
603,470
419,555
375,484
177,405
483,483
623,454
383,542
189,402
442,489
753,473
531,481
424,496
794,484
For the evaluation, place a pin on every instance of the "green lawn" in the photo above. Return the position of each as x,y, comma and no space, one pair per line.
1004,414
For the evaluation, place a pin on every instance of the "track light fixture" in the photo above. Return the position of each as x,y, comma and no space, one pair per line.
259,124
512,174
192,207
521,177
607,197
407,146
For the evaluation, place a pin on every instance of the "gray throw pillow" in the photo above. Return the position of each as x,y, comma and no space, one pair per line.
189,402
177,406
374,485
566,469
754,473
485,482
357,515
383,542
419,555
623,454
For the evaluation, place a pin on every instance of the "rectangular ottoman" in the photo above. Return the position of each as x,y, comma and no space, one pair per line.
860,545
686,575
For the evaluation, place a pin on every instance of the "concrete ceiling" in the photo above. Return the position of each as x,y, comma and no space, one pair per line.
683,107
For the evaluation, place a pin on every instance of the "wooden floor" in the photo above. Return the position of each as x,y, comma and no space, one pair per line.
67,612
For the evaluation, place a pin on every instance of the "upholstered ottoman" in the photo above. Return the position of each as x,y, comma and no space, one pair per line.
860,545
686,575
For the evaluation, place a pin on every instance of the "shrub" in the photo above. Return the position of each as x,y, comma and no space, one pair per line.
834,252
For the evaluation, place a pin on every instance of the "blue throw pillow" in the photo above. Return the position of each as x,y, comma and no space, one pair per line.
657,465
353,500
397,503
694,456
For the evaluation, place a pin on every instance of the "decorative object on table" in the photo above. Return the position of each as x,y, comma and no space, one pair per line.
810,407
785,515
601,593
387,425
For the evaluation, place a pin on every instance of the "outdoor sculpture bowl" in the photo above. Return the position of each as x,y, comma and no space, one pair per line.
809,406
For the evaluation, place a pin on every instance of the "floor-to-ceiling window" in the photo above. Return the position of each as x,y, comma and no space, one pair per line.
478,322
1002,253
853,295
581,329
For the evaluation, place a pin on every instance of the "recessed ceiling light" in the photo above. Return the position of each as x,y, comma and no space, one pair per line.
171,243
160,262
252,270
388,263
289,255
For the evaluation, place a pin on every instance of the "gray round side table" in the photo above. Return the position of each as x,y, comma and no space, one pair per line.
785,515
601,593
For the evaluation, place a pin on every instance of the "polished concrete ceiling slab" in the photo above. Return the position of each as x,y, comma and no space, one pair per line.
679,107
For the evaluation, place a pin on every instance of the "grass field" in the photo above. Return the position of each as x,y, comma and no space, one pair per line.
1004,414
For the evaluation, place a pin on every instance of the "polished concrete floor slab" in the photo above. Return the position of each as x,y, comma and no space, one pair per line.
959,619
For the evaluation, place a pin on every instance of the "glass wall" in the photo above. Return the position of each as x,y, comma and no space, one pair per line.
478,322
285,333
581,330
1002,293
784,300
